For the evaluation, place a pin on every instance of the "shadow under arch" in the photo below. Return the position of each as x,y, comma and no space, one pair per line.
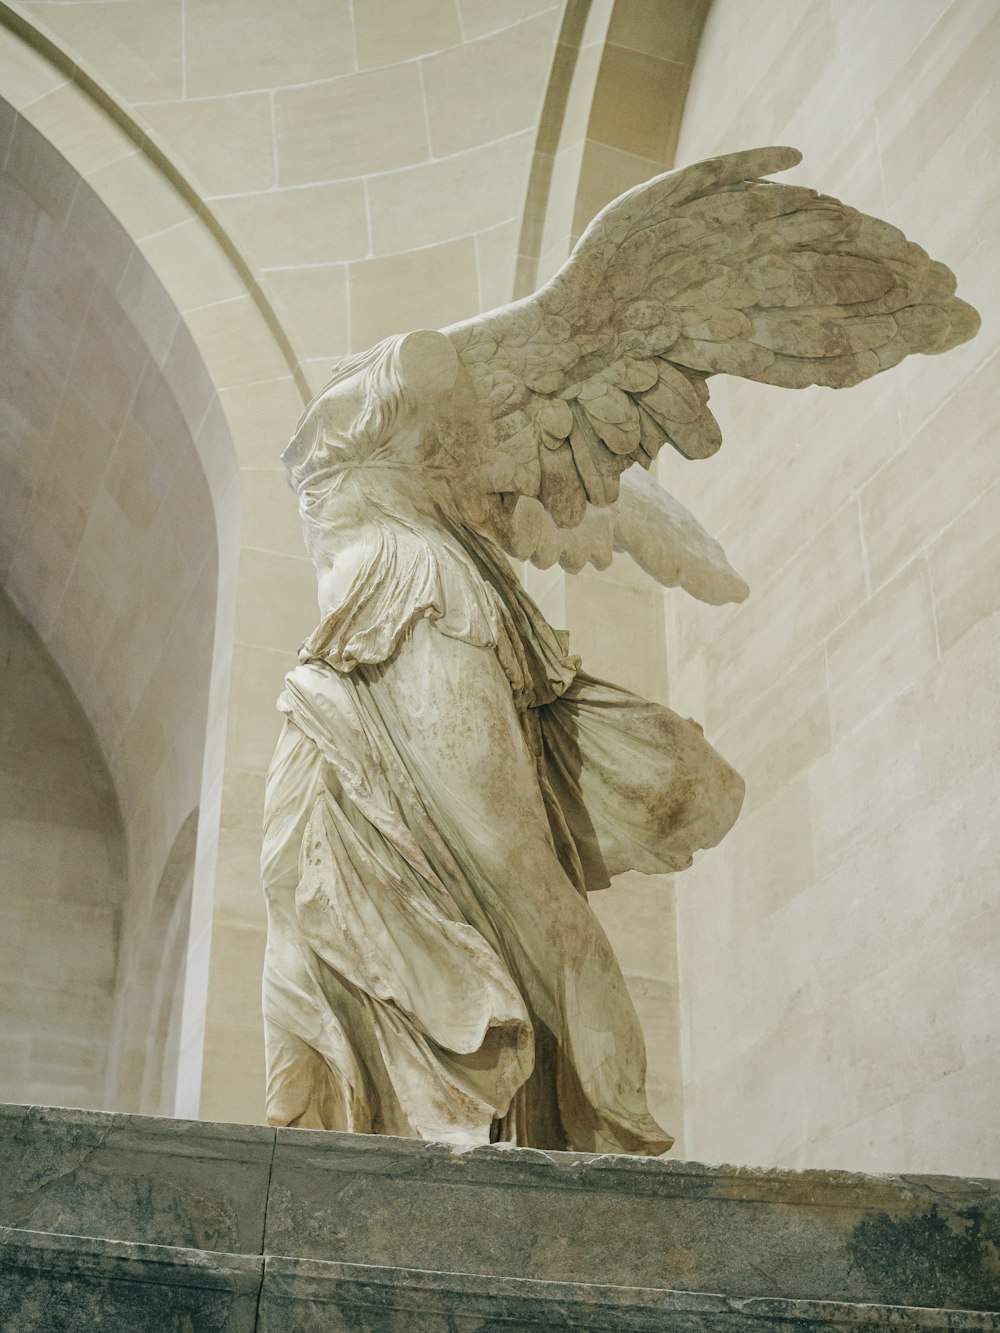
120,519
610,120
146,1042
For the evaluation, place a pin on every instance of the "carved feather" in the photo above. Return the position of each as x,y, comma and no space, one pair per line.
708,270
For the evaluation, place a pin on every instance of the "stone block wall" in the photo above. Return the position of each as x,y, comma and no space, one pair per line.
840,953
62,854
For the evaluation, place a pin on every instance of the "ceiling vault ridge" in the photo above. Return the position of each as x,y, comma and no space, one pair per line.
36,36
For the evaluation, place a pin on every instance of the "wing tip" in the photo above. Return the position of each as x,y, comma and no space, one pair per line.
781,157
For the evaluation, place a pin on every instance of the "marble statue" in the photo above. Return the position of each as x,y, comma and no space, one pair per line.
450,783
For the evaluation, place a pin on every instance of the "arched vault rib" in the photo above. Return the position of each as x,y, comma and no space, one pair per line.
42,41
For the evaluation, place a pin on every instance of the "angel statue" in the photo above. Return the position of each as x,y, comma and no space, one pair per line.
450,783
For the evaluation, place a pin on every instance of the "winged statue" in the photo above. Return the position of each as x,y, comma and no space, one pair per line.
450,783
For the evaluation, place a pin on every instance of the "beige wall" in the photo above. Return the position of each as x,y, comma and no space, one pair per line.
840,954
118,500
62,882
108,547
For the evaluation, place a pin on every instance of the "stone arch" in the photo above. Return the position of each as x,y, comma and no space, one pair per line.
146,1044
62,881
117,400
611,118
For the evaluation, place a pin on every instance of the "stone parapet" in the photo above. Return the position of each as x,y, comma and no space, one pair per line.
135,1223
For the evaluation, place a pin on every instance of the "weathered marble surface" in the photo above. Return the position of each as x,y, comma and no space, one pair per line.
136,1178
65,1284
315,1297
501,1214
567,1217
61,1284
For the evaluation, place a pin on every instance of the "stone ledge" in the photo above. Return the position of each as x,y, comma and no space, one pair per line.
56,1283
61,1284
135,1178
300,1293
564,1218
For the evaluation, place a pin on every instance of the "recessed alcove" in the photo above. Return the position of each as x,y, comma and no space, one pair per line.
63,865
109,557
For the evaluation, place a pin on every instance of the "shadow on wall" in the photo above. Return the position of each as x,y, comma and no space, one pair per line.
145,1038
62,881
108,548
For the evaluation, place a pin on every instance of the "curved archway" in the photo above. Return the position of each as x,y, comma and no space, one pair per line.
119,517
611,118
145,1047
62,882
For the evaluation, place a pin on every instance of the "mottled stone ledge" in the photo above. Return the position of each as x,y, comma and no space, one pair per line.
62,1283
136,1178
503,1213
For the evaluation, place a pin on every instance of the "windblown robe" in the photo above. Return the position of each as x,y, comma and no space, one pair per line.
447,787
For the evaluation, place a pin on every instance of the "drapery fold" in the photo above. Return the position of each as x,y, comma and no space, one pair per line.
434,820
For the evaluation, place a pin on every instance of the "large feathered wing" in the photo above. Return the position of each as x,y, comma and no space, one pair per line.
707,270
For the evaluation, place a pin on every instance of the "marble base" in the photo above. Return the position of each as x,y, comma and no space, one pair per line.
62,1284
65,1284
130,1223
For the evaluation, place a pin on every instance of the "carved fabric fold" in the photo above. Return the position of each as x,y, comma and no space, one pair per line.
481,997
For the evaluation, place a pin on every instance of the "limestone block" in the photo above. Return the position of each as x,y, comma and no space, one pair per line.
233,1084
785,731
41,171
258,677
605,173
139,196
967,1098
188,380
236,342
471,97
668,34
270,522
370,123
271,51
558,1216
496,257
423,289
309,1296
820,588
60,1283
647,121
964,570
258,416
276,603
883,648
923,108
313,305
386,34
317,224
26,75
416,207
479,18
938,481
771,849
165,1182
226,142
85,135
99,236
108,362
615,631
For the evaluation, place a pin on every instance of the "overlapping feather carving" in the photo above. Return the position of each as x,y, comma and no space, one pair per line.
703,271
